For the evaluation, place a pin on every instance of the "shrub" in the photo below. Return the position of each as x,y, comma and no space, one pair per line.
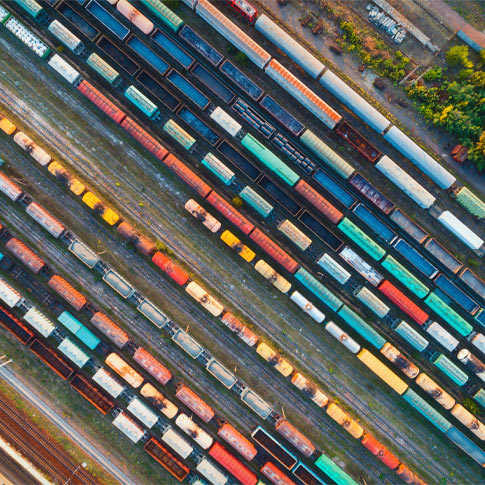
471,405
433,74
237,202
241,59
457,56
172,4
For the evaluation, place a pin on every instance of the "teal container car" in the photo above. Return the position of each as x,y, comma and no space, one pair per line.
448,314
361,327
79,330
33,8
221,171
334,472
427,410
405,277
254,200
164,14
446,366
146,106
270,160
361,239
318,289
411,336
107,72
179,134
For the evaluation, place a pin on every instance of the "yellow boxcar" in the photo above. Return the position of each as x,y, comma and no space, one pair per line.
75,186
7,126
94,202
275,359
382,371
233,242
263,268
344,420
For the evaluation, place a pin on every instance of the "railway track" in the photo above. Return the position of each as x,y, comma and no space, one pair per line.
279,388
40,449
322,372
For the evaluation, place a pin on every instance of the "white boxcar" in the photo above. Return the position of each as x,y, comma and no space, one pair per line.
354,101
63,34
64,69
460,230
420,158
205,299
192,429
128,427
361,266
39,321
289,46
177,443
372,302
335,270
405,182
49,223
10,296
226,121
230,31
211,472
342,337
108,383
442,336
478,340
307,307
142,412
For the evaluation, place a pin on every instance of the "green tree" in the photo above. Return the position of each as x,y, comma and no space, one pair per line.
434,74
471,405
237,202
241,59
457,56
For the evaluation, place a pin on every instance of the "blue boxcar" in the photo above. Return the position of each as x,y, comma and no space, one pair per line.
428,411
334,189
381,229
413,257
458,296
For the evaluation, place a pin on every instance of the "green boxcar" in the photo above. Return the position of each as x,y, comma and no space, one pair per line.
32,8
107,72
411,336
360,238
221,171
361,327
326,154
145,105
448,314
257,202
405,277
4,15
268,158
168,18
334,472
471,202
319,290
428,411
450,369
179,134
479,396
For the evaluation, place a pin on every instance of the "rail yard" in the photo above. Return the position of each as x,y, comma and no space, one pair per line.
230,266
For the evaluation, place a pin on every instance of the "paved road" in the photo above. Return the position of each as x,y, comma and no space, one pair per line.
10,377
443,12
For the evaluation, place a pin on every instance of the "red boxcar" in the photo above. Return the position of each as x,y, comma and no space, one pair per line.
403,302
232,436
166,459
92,394
277,253
174,271
275,475
232,465
244,8
15,326
101,101
295,437
137,132
25,254
54,361
319,202
187,175
152,365
195,403
71,295
230,213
